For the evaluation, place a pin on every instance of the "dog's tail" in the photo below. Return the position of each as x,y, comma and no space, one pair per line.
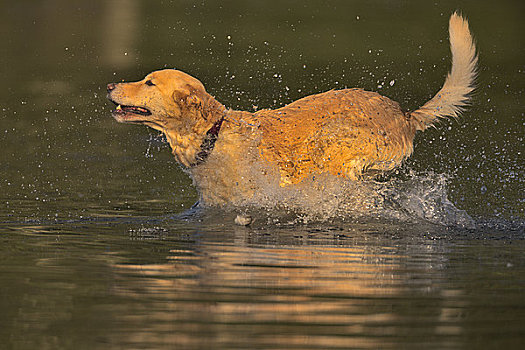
454,96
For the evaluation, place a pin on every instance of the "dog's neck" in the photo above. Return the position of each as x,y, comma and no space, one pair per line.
193,142
208,143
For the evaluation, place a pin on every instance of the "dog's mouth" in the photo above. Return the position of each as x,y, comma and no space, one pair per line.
130,113
121,109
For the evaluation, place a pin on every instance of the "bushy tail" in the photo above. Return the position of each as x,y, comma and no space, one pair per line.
454,96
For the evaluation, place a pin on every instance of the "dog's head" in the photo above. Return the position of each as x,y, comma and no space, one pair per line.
160,98
172,102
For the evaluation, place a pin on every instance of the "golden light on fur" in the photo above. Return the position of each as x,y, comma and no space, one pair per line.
231,155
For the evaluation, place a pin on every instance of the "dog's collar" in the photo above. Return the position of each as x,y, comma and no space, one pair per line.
208,143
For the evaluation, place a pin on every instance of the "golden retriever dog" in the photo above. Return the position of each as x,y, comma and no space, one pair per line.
232,155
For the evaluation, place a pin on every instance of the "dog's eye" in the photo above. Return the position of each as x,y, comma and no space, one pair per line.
149,83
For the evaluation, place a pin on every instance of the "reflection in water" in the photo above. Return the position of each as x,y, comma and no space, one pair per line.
284,296
195,285
121,21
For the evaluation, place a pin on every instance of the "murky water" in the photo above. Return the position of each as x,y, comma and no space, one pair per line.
100,249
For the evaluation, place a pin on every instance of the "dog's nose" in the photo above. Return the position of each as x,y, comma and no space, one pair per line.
111,87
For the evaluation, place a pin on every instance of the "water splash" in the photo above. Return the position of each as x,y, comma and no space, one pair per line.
425,197
157,141
324,197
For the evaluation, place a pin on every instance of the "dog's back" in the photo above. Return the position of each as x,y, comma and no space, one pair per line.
343,132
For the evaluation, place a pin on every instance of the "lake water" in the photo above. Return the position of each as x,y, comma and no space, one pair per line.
100,248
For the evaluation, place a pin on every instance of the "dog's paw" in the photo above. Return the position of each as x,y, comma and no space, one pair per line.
243,220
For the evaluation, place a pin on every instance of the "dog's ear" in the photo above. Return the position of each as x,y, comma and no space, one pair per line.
189,97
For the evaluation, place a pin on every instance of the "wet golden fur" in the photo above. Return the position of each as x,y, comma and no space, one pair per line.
347,133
